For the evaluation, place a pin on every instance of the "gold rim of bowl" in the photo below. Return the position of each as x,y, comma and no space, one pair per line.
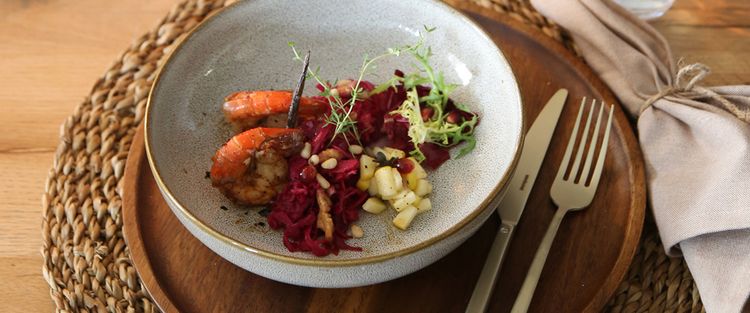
323,261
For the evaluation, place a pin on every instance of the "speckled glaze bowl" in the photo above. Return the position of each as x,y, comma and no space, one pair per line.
244,47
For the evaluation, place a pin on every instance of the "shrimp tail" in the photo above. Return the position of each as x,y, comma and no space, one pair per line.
247,109
251,167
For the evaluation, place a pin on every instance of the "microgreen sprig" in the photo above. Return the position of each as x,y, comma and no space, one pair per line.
436,129
341,111
340,115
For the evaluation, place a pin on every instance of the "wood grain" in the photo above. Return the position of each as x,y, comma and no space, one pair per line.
592,251
716,33
53,51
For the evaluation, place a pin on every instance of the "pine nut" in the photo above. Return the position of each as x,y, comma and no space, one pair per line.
355,149
305,153
322,181
329,164
357,231
314,159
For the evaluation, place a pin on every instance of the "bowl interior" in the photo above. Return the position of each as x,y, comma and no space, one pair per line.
245,48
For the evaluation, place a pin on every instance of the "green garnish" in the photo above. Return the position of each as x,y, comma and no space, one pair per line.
437,128
340,116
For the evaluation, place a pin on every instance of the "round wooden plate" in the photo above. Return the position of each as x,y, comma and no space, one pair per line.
588,260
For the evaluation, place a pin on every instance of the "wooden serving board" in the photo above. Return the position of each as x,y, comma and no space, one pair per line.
588,260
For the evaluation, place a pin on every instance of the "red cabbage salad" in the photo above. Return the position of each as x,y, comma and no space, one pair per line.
359,148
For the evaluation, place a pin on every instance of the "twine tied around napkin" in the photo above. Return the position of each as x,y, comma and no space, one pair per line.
695,142
686,86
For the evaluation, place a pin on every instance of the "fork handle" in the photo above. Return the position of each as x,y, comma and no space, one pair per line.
532,277
486,283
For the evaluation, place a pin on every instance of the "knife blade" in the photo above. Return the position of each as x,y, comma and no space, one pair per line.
534,149
511,206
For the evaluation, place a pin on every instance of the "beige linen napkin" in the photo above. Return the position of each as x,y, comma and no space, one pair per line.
695,142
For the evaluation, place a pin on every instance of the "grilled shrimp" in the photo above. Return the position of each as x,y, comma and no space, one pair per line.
247,109
251,168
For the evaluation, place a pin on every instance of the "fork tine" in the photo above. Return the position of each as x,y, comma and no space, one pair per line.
592,147
582,145
602,152
571,142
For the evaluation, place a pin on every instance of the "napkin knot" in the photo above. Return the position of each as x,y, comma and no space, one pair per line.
686,86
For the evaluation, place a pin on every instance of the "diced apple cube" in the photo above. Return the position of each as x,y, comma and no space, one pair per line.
401,203
416,201
403,219
363,184
418,169
399,195
424,205
415,175
406,200
423,188
367,167
410,180
374,205
397,180
386,184
373,188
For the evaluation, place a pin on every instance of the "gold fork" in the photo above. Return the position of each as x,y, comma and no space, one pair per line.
569,194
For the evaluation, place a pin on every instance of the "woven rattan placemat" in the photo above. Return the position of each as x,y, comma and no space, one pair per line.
86,260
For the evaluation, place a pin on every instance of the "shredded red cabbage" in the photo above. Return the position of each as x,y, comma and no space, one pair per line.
295,209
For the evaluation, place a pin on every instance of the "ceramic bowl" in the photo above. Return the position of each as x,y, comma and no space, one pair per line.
244,47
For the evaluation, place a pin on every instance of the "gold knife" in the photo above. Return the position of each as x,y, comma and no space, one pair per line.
512,205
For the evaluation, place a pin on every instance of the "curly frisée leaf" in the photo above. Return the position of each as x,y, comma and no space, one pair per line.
418,132
436,128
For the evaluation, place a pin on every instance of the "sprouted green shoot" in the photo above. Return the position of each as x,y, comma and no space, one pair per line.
437,129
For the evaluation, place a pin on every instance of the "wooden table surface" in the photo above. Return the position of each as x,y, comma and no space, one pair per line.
52,52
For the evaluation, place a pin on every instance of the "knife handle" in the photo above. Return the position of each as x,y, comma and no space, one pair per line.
523,300
486,283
